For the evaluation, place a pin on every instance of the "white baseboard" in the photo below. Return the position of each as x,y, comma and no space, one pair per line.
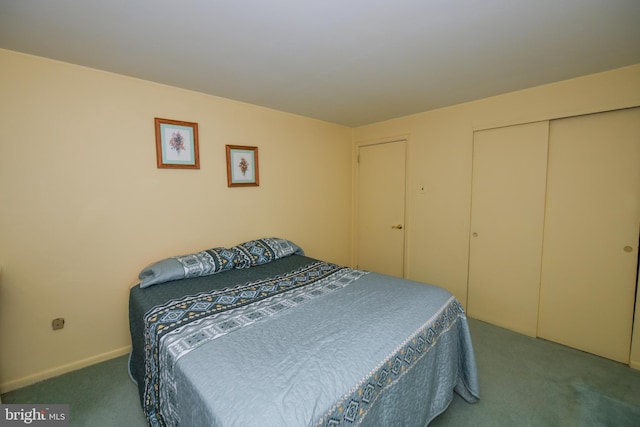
70,367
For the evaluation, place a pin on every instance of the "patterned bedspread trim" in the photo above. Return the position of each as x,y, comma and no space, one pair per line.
353,408
161,320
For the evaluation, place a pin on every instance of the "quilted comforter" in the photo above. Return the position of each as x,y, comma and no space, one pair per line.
298,342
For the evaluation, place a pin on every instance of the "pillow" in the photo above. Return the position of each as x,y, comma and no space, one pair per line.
262,251
203,263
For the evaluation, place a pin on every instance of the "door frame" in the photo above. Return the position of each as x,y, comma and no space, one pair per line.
355,196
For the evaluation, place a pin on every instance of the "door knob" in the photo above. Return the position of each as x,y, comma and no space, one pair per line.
397,227
628,249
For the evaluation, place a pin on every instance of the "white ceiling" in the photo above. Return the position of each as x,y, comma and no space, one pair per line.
351,62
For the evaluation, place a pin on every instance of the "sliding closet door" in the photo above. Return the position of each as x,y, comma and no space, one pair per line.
507,216
590,256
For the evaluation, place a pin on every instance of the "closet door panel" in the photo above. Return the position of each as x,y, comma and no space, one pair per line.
590,251
507,213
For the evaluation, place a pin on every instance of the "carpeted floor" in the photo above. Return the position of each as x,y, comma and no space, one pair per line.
532,382
524,382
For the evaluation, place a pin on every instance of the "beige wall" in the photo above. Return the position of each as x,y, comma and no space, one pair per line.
83,207
441,143
635,337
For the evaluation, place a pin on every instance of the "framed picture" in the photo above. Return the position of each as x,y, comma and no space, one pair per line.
177,144
242,166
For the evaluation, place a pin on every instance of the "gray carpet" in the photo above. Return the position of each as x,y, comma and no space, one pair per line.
524,382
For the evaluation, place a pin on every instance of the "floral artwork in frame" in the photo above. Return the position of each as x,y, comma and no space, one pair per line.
242,166
177,144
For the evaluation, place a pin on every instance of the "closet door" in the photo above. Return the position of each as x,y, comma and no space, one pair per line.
507,216
590,256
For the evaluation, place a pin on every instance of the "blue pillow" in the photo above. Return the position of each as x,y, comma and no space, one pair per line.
203,263
262,251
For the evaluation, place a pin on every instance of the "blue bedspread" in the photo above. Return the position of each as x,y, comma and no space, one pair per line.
321,345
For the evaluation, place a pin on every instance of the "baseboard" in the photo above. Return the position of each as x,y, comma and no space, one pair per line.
634,364
64,369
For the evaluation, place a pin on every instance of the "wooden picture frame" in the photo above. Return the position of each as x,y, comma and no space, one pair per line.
242,166
177,144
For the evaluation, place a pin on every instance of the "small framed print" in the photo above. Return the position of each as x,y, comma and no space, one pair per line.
242,166
177,144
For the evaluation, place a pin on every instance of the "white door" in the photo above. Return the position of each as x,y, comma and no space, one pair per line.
507,218
590,252
381,207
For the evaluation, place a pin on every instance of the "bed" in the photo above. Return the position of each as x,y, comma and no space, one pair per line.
262,335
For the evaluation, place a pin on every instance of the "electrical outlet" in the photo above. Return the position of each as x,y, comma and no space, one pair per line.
57,323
